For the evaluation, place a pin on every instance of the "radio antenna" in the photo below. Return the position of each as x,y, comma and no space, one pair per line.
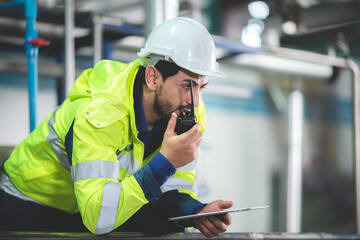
192,100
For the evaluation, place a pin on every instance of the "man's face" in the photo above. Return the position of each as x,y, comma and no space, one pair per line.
174,95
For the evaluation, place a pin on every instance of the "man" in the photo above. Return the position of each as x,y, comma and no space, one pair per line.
109,157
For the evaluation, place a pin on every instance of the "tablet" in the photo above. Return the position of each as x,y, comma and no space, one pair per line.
216,213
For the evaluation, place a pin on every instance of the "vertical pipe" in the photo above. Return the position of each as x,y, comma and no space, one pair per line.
158,11
171,9
154,15
97,38
294,167
356,123
33,86
69,45
32,55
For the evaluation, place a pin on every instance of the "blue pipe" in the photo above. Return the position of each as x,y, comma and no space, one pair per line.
32,53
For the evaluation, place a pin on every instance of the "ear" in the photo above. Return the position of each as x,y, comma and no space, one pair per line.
151,77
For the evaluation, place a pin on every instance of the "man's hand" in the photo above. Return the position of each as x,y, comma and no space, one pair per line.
181,149
214,225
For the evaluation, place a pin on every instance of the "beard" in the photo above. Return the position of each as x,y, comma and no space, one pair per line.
163,107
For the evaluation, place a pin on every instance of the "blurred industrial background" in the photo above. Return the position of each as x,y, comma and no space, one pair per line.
280,128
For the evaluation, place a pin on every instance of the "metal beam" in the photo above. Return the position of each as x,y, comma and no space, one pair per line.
46,68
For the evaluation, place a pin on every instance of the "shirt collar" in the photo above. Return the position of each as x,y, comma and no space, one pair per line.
142,126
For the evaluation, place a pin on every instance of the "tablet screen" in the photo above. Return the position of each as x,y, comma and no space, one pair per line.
216,213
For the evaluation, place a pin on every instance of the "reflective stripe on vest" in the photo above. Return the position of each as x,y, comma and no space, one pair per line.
53,138
127,161
188,167
109,207
95,169
175,183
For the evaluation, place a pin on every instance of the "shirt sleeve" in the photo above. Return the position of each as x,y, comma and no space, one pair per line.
174,204
161,168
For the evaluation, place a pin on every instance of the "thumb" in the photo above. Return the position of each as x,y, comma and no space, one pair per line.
226,204
172,123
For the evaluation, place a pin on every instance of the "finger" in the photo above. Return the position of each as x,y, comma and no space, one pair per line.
208,228
226,219
194,133
198,143
172,123
226,204
203,229
211,227
218,223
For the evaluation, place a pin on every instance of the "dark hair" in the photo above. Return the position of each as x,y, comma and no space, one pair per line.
166,69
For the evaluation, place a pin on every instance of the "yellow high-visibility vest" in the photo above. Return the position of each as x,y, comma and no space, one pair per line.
105,152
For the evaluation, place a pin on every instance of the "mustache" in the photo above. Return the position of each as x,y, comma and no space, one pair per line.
188,106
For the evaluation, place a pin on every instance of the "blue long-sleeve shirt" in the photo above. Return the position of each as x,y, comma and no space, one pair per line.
162,169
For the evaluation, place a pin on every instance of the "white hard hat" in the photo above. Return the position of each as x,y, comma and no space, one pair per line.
184,41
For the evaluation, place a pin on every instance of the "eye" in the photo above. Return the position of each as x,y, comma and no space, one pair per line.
202,87
187,86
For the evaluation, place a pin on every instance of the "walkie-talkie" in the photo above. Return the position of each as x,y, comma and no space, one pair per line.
186,119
